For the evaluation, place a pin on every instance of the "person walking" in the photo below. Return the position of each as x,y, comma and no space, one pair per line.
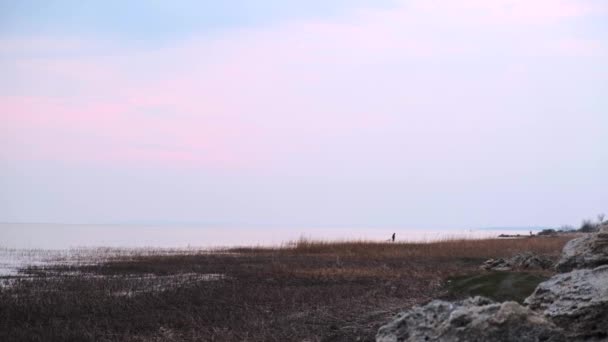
393,237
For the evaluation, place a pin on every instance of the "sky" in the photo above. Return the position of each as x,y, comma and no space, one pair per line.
413,113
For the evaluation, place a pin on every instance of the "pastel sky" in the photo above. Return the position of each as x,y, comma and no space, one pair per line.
414,113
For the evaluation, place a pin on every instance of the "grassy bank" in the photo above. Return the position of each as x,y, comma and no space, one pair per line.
306,290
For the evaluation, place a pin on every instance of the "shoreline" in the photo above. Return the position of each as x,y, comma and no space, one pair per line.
12,260
60,237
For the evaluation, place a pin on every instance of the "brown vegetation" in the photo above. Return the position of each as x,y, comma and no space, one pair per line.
459,248
307,290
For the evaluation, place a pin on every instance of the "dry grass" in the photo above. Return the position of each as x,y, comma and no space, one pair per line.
306,290
457,248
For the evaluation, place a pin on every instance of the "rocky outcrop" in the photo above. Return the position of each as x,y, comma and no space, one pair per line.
499,264
473,319
522,261
585,252
577,301
570,306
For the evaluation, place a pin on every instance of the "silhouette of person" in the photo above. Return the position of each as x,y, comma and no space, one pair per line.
393,237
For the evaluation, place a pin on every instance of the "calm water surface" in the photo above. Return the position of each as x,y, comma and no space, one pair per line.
63,236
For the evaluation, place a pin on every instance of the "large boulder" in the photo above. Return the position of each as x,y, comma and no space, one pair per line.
472,319
577,301
585,252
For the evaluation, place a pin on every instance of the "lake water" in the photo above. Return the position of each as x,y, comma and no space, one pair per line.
64,236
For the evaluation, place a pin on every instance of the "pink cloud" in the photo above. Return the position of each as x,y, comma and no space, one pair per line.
252,97
42,128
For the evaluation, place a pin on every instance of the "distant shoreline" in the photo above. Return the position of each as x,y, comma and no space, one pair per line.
65,236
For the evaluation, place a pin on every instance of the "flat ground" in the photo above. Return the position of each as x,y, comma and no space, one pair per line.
309,291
